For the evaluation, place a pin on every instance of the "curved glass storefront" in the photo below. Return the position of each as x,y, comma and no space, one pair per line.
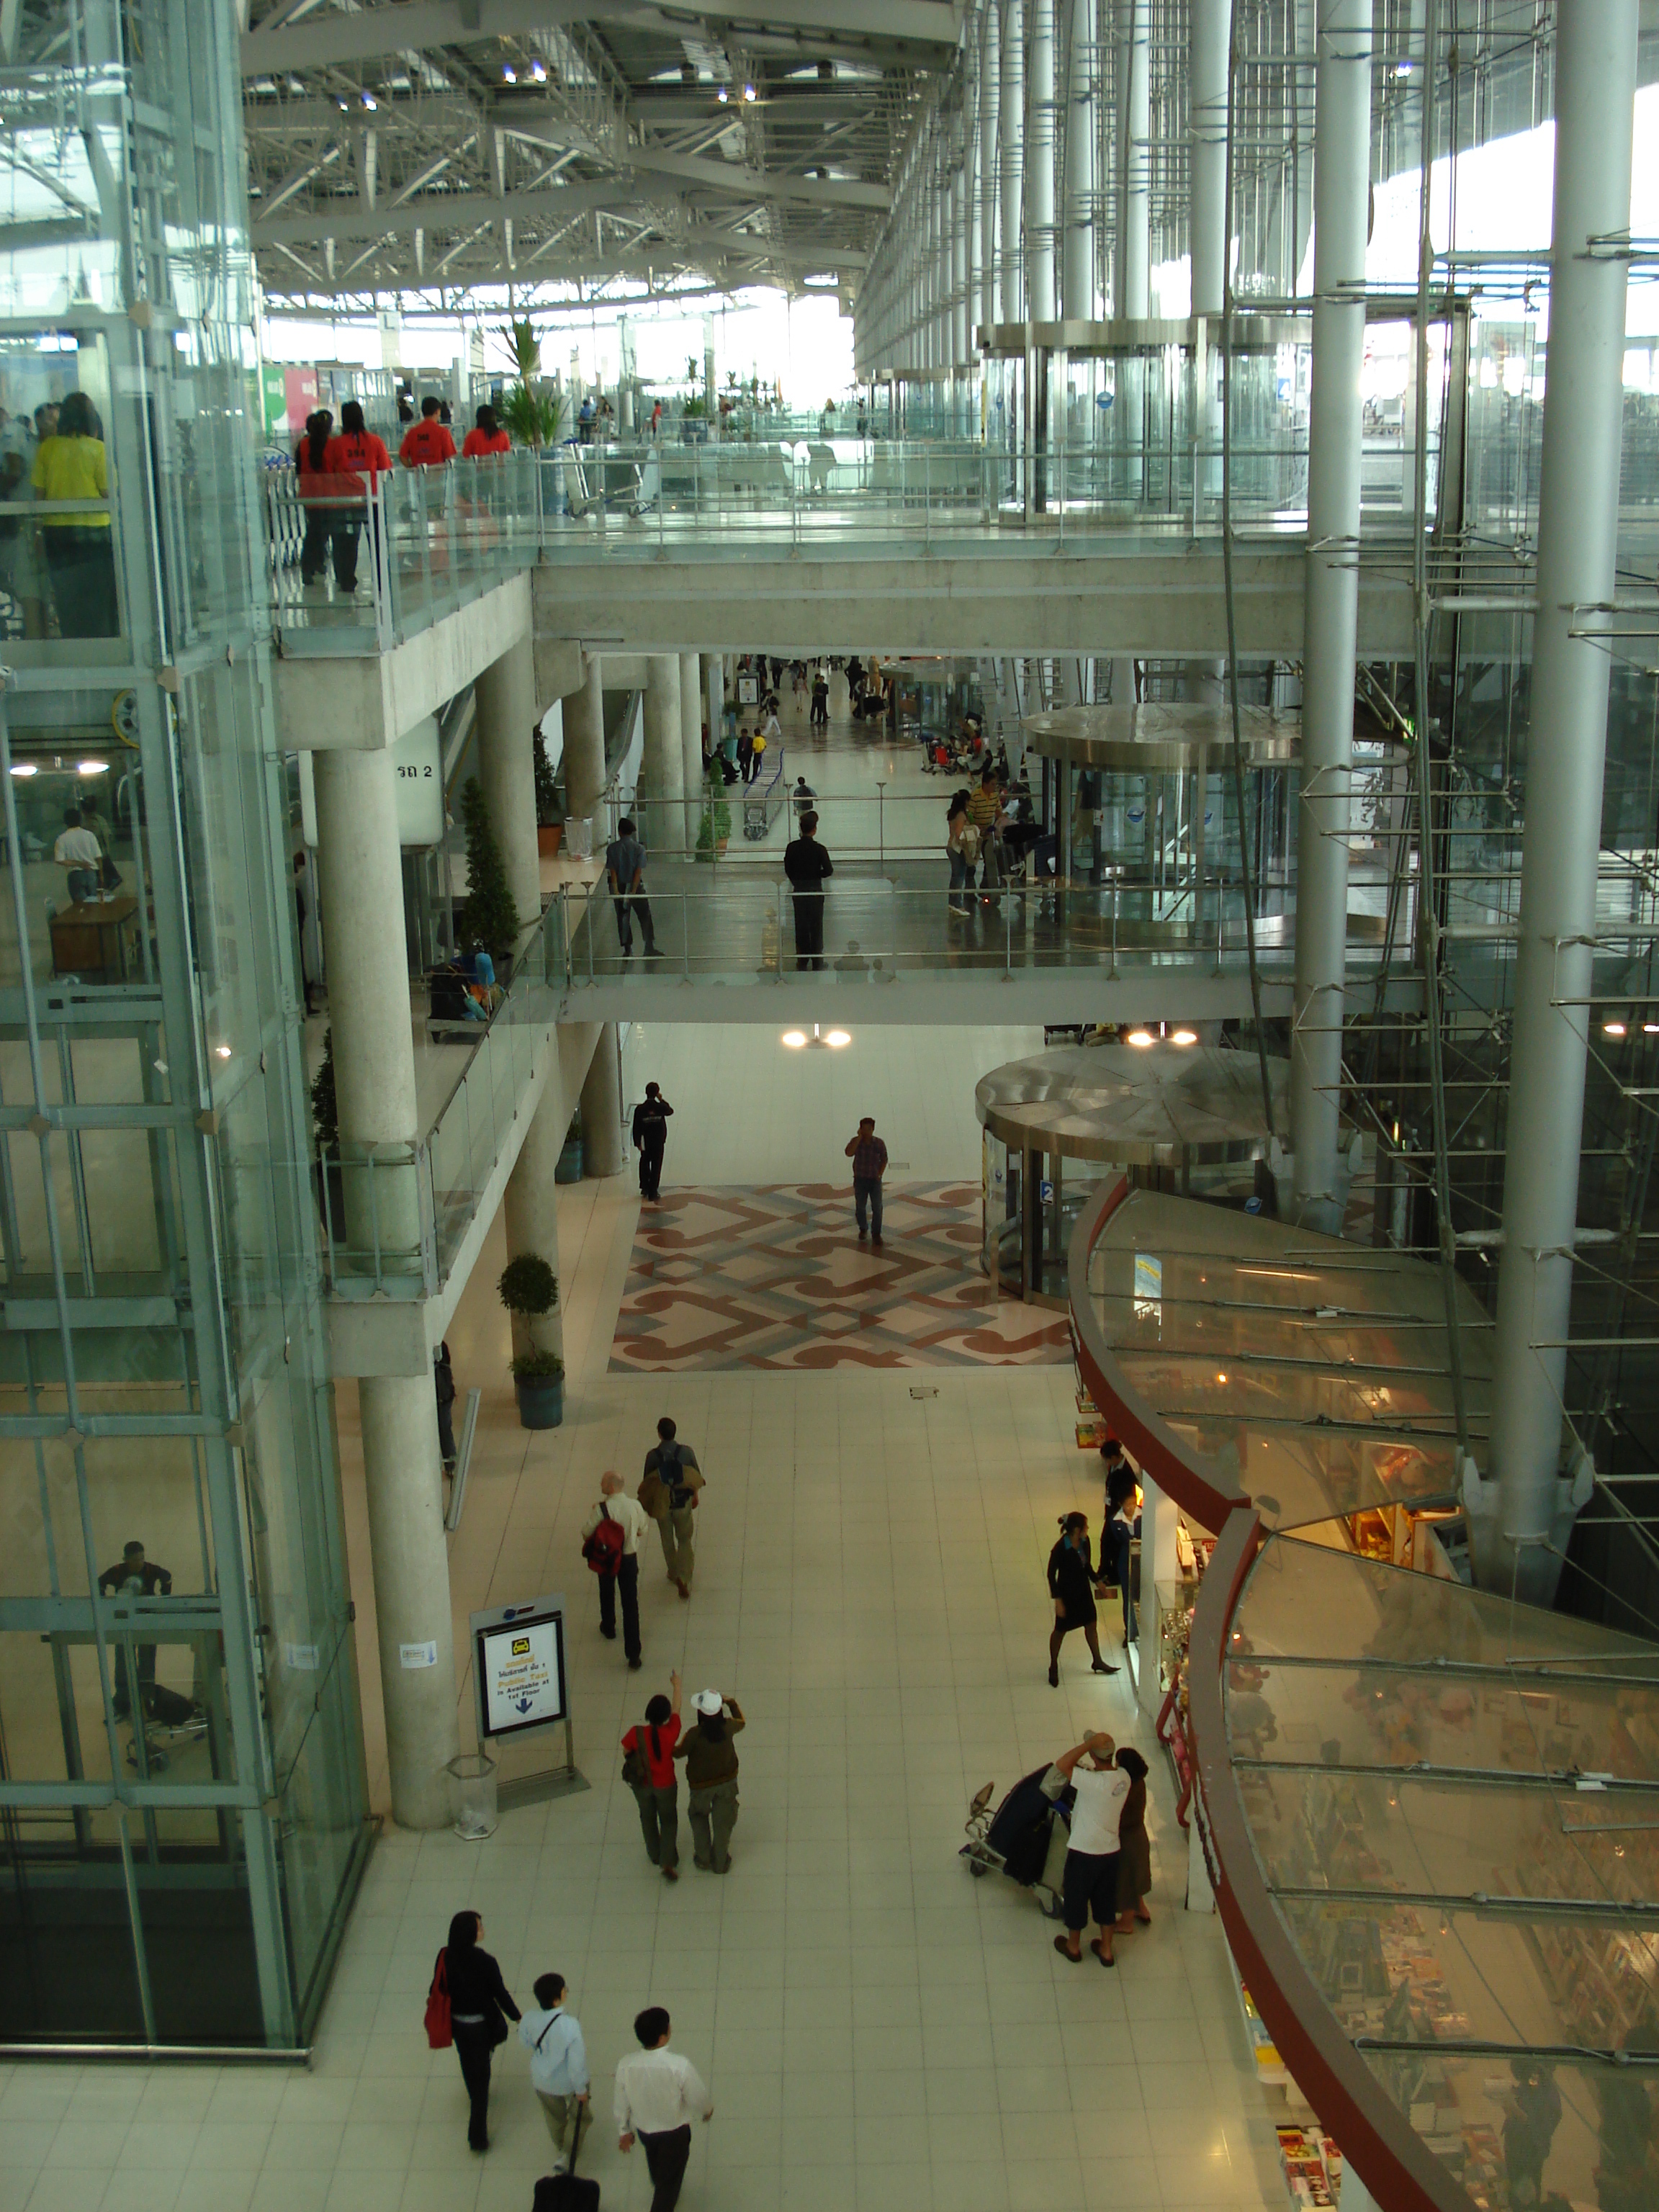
1434,1813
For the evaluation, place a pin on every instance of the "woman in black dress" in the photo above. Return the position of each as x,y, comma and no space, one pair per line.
1073,1587
477,1999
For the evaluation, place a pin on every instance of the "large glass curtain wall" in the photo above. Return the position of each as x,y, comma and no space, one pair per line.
181,1789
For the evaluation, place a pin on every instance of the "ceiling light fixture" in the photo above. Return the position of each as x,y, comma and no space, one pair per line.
370,102
820,1040
794,1039
722,94
1649,1028
749,93
25,767
92,768
538,70
223,1051
1183,1036
509,73
1140,1038
1613,1029
836,1038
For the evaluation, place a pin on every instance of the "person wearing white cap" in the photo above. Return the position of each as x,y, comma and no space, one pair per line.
711,1778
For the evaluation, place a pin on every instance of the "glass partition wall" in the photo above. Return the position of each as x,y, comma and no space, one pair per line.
180,1752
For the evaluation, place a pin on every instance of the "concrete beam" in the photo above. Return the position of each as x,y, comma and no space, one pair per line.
1154,603
329,703
386,1336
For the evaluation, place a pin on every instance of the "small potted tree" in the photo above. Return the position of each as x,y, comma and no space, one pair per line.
490,917
530,1290
550,815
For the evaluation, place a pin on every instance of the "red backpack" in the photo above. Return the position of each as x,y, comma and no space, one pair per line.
603,1549
439,2034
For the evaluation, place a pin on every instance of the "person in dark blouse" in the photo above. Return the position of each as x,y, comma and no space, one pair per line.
1072,1586
479,1999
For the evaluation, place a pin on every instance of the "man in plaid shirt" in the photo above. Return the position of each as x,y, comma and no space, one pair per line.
869,1157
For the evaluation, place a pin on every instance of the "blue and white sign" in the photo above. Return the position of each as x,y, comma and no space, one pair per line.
518,1654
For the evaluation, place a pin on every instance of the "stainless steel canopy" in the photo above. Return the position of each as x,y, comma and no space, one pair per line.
1153,737
1155,1105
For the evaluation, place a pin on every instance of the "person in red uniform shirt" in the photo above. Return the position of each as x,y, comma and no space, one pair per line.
426,444
487,438
310,463
347,458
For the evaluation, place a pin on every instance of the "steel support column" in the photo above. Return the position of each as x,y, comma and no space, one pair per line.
1341,188
1210,27
1011,162
990,100
1078,244
1577,531
1039,303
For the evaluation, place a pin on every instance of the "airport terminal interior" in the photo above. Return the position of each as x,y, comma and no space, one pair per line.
831,841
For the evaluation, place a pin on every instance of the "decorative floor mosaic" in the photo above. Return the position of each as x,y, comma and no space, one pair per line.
775,1277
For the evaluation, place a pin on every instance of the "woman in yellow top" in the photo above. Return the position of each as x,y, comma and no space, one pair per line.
79,548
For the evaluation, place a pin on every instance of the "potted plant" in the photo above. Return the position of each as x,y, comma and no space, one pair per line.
569,1168
490,917
325,1124
550,816
539,1381
529,1290
715,827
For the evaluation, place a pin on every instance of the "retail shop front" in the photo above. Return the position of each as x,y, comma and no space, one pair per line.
1428,1812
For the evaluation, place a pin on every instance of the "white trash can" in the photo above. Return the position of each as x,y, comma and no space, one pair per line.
472,1788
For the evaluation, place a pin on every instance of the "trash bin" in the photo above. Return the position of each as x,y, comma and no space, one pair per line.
472,1787
579,837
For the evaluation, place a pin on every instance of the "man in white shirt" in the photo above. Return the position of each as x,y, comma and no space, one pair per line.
631,1517
659,2094
558,2067
1090,1882
79,852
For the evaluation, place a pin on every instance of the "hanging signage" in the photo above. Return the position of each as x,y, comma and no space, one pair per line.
417,769
517,1668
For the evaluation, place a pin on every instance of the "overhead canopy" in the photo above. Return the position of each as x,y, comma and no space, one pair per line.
1159,735
1148,1106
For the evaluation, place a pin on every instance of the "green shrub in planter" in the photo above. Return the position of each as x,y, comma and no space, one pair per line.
529,1287
538,1382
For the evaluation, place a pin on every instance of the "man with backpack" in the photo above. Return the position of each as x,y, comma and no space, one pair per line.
610,1546
668,1493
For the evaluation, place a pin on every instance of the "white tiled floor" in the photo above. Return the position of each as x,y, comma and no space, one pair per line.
879,2030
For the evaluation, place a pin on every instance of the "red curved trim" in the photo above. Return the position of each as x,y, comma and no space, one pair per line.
1196,1488
1375,2134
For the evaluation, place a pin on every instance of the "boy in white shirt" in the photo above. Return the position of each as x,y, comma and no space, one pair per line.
1090,1882
659,2094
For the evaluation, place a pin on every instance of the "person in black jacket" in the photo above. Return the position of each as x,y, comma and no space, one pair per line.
1073,1587
651,1118
443,1384
808,867
477,1999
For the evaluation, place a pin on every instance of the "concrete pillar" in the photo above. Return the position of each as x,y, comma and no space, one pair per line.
1078,247
714,696
505,699
1341,185
1010,142
604,1153
360,874
584,742
1566,752
990,99
402,1478
360,883
691,712
1040,165
530,1210
662,769
1210,31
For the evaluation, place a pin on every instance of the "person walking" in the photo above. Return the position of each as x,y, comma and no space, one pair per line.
347,457
668,1491
558,2067
756,756
987,813
618,1570
648,1771
801,798
1134,1865
478,1998
869,1157
1122,1518
1074,1586
808,867
961,850
651,1118
71,464
745,751
311,483
426,444
624,869
659,2094
820,699
711,1778
1090,1882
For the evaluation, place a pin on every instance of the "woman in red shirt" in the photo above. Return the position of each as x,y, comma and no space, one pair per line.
355,451
310,463
488,438
650,1749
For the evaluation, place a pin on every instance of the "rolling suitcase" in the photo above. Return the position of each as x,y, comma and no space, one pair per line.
567,2191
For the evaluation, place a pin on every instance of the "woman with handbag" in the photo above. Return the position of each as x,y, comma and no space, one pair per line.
961,850
480,2005
648,1771
1135,1864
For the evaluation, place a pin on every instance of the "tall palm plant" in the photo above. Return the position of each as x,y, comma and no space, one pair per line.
523,341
